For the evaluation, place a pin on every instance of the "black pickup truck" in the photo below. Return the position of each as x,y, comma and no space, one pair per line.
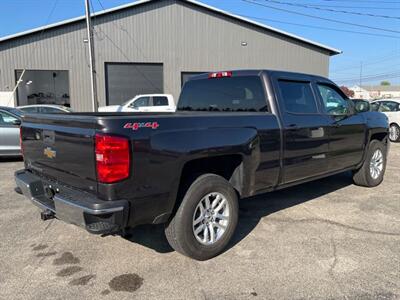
235,134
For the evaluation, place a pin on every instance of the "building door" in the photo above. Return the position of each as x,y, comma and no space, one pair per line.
124,81
43,87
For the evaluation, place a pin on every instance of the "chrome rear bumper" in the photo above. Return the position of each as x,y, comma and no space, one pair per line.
73,206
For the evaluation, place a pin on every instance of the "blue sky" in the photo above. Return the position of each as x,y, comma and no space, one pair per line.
379,55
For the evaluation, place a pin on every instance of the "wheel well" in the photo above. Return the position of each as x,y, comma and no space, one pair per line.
226,166
393,123
380,136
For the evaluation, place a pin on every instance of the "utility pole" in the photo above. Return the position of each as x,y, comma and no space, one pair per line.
92,64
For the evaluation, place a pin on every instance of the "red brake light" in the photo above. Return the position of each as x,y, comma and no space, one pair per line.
112,158
220,74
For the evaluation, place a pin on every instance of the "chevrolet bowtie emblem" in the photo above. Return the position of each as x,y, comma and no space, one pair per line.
49,152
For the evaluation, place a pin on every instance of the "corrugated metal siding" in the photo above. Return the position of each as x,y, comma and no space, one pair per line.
182,37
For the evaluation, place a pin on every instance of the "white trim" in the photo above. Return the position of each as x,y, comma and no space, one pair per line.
194,2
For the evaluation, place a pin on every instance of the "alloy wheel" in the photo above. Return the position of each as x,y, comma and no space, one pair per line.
211,218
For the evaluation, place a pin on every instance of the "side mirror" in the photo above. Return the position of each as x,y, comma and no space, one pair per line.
16,122
362,106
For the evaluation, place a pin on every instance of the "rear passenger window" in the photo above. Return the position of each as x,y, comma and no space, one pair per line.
298,97
49,110
160,101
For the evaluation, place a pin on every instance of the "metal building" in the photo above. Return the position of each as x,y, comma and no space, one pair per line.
149,46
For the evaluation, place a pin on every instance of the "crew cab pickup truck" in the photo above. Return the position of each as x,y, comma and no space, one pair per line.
234,135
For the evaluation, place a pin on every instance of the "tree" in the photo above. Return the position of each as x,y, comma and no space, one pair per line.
385,83
349,93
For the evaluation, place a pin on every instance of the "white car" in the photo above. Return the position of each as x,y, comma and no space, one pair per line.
391,108
44,109
144,103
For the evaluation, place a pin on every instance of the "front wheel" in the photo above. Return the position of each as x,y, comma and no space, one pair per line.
394,133
206,219
372,171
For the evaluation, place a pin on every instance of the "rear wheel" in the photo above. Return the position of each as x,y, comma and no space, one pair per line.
206,219
372,171
394,133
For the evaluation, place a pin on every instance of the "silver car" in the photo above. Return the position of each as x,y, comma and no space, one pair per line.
44,109
10,119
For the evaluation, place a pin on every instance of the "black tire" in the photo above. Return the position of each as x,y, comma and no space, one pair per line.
179,231
395,129
363,176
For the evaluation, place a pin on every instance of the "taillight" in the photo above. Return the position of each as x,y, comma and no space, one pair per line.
112,158
220,74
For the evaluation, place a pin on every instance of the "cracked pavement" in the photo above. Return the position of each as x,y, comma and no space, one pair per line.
327,239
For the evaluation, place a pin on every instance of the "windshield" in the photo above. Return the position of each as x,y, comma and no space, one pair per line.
230,94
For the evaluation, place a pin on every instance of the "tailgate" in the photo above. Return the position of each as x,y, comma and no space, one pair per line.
61,148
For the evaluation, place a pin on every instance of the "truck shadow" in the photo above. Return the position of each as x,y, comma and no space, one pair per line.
251,211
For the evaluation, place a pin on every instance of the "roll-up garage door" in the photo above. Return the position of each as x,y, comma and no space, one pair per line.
126,80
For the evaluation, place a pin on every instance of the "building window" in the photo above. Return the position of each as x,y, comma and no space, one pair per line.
185,76
124,81
43,87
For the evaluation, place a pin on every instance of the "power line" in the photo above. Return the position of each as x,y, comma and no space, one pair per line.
370,77
357,7
323,28
333,10
373,62
121,28
124,54
364,1
321,18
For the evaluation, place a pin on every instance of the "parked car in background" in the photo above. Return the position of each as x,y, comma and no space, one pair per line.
10,120
45,109
144,103
391,108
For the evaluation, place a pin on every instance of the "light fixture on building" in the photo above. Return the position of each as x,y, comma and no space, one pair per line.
244,44
29,82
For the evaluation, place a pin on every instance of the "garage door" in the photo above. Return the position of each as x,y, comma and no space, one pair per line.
126,80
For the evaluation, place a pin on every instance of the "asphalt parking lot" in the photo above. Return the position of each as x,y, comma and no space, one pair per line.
323,240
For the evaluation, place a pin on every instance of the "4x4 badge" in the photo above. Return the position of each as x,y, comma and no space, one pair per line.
136,126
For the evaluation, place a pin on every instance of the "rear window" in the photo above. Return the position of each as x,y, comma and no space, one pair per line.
230,94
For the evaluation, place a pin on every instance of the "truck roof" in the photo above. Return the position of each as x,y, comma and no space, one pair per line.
258,72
